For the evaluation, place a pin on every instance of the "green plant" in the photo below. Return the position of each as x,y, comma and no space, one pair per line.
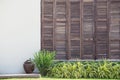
90,70
66,70
87,69
43,60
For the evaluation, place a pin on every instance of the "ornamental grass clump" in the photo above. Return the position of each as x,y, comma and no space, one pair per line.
43,60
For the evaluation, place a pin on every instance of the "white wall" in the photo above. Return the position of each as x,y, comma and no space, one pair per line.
19,33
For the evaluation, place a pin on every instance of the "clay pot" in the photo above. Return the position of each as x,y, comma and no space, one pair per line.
28,66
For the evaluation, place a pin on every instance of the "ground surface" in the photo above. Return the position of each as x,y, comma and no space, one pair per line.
52,79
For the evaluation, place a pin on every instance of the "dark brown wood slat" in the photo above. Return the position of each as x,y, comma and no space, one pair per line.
54,23
81,17
42,24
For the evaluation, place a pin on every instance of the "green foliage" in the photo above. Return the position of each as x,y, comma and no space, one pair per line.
101,69
66,70
43,60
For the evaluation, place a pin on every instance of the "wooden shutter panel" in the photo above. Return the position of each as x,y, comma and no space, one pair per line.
101,29
88,30
114,34
60,29
74,39
47,24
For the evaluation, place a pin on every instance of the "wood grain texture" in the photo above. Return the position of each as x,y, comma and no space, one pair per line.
81,29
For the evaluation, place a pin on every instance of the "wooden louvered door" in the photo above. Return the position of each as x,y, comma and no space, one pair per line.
60,29
114,34
101,29
47,25
54,27
74,21
88,29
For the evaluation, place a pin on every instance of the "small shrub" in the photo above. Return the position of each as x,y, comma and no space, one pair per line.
66,70
104,69
101,69
90,70
43,60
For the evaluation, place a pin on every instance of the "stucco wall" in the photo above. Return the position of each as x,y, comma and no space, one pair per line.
19,33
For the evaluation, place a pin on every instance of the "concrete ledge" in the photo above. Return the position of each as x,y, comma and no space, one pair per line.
20,76
74,60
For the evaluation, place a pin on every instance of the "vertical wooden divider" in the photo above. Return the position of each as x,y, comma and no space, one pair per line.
81,20
108,28
94,31
54,23
95,54
109,24
68,28
42,24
